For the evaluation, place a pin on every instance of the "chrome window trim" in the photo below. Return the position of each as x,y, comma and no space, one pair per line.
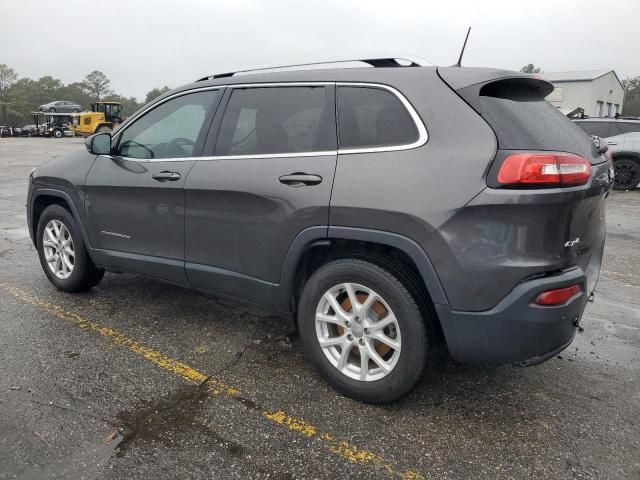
422,131
223,157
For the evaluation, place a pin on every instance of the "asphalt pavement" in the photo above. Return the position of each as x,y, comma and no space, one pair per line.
138,379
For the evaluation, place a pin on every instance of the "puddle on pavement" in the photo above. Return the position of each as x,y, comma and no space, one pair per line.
160,421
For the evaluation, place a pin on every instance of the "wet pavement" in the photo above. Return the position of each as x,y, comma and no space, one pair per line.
140,379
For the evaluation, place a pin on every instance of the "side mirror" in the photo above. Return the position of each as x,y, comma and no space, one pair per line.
99,144
601,145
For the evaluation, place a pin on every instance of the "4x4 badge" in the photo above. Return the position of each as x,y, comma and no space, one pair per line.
571,243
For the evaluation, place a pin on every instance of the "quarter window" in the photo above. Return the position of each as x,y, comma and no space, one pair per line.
273,120
170,130
370,117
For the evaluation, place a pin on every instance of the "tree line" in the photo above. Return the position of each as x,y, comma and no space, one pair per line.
19,97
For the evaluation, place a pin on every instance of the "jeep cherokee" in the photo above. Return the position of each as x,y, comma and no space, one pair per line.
380,209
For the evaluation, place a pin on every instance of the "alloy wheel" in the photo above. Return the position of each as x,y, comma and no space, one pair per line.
358,332
58,249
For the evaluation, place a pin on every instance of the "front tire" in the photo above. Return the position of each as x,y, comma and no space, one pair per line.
62,252
363,330
627,174
57,133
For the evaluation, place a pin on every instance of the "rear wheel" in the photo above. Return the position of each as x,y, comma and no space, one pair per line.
363,330
627,174
62,252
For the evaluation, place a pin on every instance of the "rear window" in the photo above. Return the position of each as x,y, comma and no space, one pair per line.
370,117
599,129
272,120
522,119
628,127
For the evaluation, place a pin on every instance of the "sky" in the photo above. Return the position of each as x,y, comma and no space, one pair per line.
142,44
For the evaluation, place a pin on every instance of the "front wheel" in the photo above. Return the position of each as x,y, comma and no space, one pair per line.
627,174
363,330
62,253
57,133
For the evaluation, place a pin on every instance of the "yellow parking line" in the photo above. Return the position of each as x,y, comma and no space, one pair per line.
341,448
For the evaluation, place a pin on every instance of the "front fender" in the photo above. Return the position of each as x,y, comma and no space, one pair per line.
75,211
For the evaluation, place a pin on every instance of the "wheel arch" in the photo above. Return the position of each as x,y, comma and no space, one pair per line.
44,197
626,155
317,245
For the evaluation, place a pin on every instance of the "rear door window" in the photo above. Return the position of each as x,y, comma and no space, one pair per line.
370,117
275,120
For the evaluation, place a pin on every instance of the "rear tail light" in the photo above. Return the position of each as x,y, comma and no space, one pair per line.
559,296
546,169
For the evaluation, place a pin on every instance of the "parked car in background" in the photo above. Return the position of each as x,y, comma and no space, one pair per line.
625,151
29,131
608,127
60,106
344,200
6,131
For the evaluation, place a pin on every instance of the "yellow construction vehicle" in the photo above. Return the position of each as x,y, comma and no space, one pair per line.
104,116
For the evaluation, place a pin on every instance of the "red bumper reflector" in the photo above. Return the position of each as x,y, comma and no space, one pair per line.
558,296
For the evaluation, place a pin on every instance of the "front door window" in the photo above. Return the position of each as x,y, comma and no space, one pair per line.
171,130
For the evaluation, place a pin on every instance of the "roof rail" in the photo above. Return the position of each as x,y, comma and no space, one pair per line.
374,62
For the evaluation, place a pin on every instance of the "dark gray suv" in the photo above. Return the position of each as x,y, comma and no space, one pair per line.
381,209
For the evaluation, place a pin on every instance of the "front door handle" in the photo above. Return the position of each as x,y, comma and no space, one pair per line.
166,176
300,179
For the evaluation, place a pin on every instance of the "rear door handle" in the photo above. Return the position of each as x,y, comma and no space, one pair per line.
300,179
166,176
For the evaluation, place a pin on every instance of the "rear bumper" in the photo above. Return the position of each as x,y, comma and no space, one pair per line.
516,330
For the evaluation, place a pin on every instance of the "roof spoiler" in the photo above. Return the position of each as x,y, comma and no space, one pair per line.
458,78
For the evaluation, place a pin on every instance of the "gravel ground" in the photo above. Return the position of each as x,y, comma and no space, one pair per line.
139,379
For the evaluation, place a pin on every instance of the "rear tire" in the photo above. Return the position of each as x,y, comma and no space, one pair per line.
84,274
627,174
408,334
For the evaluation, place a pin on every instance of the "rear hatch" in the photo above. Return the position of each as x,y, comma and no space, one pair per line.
537,227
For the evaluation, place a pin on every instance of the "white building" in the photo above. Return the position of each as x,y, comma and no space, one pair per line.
598,92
